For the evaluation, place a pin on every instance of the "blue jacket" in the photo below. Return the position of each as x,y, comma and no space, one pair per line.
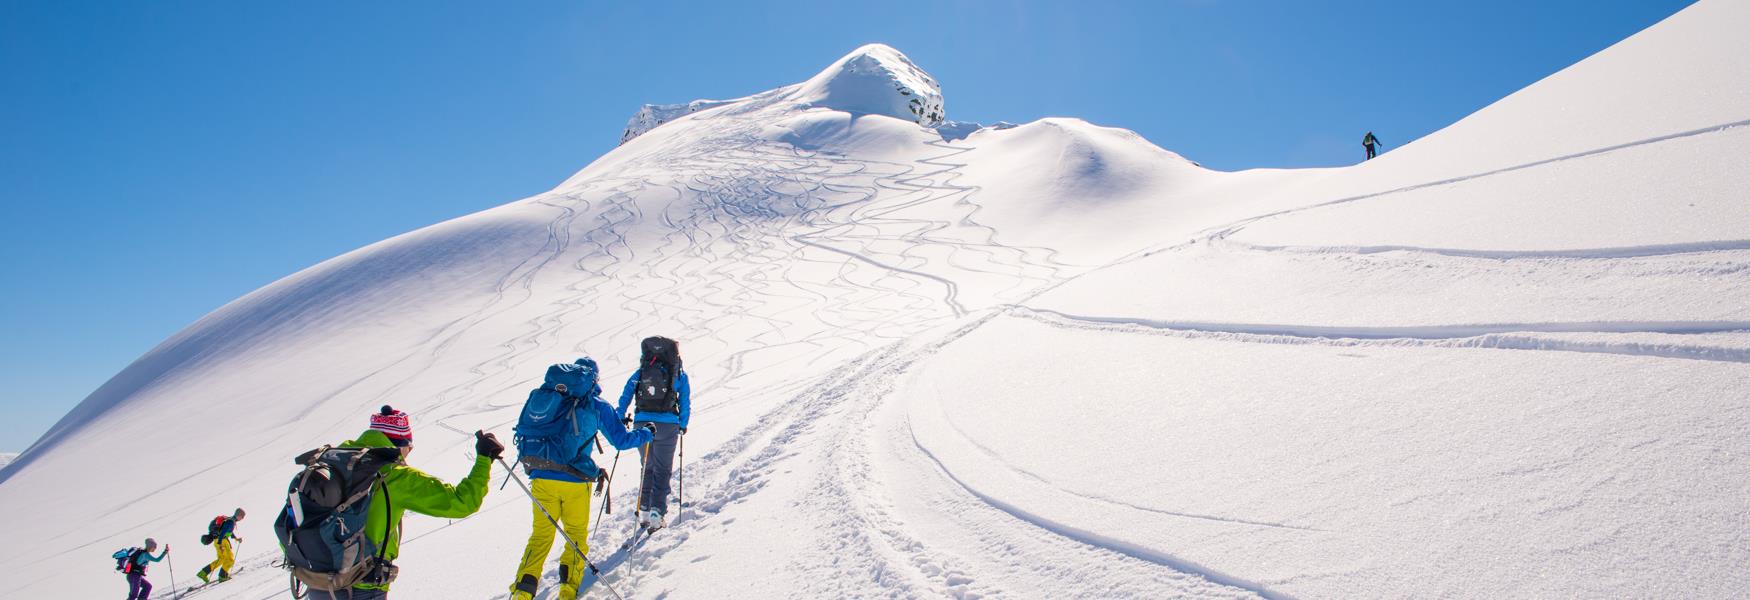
610,427
680,385
226,531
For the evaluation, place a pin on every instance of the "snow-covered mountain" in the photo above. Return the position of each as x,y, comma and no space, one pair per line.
1046,360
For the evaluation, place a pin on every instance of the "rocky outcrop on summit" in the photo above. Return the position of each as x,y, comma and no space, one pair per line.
872,80
652,115
876,79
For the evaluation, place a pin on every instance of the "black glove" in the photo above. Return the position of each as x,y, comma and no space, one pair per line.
626,420
487,445
650,427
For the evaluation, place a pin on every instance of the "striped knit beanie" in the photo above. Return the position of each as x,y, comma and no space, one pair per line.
393,423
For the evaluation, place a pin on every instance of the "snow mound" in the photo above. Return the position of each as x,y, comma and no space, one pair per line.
7,458
652,115
876,80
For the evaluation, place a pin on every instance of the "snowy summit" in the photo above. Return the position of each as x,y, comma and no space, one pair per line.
876,80
1046,360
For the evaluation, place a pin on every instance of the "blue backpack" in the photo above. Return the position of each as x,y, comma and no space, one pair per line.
124,560
557,423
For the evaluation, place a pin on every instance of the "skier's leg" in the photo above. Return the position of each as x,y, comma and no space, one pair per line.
643,474
145,588
220,548
133,586
227,559
528,573
662,465
574,515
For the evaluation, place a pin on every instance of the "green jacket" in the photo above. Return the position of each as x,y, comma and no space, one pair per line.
411,489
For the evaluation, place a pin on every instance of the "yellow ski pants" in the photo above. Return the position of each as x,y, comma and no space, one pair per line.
569,503
226,559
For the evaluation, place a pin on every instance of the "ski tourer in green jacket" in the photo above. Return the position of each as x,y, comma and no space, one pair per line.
412,489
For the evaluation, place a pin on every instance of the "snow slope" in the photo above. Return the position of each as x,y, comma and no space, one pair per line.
1048,360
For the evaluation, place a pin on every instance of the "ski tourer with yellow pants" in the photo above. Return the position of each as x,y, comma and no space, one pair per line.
220,532
381,495
553,436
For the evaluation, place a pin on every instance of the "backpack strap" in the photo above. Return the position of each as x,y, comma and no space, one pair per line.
384,572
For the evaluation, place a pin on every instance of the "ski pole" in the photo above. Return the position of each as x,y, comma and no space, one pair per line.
680,491
607,496
568,541
643,475
171,562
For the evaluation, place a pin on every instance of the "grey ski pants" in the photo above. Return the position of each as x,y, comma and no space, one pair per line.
658,467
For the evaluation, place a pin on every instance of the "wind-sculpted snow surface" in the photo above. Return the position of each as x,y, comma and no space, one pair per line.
1046,360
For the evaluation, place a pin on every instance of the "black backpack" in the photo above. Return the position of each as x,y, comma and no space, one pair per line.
322,528
213,529
659,364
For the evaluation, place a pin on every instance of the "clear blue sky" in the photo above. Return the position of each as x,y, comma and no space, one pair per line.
159,159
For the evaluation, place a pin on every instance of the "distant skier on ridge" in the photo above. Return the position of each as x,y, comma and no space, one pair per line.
1369,142
553,435
665,403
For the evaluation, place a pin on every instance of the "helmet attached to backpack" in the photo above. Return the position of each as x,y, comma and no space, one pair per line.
659,363
555,427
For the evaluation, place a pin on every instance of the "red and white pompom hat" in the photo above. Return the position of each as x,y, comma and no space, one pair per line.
393,423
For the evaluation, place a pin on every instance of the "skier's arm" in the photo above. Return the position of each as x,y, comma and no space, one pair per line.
414,490
686,392
616,432
145,558
626,396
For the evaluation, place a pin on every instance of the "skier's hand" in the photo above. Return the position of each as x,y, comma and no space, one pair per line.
650,427
238,538
487,445
683,431
626,420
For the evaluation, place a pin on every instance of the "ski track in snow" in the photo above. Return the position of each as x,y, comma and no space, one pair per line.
1469,335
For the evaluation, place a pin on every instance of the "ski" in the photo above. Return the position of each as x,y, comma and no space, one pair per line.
185,593
202,586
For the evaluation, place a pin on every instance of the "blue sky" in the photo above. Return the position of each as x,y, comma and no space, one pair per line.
159,159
